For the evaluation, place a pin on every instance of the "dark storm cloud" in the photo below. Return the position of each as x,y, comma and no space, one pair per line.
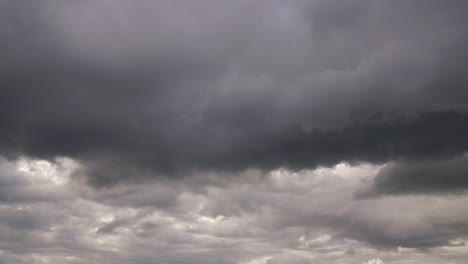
171,87
428,176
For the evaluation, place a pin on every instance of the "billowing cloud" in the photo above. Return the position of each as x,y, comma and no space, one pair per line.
233,132
374,261
278,217
171,87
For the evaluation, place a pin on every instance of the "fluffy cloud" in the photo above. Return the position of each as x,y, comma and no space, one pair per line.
374,261
277,217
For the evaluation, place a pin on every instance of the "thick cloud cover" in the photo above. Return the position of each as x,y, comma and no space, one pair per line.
278,217
172,87
233,132
429,176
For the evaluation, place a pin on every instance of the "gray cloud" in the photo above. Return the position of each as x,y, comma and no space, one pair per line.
307,217
172,87
428,176
289,259
233,132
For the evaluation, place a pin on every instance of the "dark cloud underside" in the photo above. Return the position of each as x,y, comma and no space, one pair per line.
233,132
428,176
171,87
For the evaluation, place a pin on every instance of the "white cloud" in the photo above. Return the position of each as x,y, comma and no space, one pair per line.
374,261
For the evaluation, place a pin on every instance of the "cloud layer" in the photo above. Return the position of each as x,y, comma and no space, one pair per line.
247,132
172,87
279,217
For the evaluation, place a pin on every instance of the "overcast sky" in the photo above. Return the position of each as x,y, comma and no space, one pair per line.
237,132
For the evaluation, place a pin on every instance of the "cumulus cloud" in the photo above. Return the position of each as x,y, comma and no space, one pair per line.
280,217
374,261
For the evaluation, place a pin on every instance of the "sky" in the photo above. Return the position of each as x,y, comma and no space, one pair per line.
234,132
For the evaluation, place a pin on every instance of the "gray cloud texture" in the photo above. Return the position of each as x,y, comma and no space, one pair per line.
247,132
429,176
280,217
172,87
